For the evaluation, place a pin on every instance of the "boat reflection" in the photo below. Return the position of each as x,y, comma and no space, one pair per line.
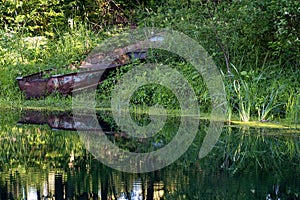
64,121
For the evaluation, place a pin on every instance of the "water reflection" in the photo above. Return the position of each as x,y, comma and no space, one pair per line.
62,120
247,163
162,185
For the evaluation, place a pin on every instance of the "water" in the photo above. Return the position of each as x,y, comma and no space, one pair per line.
40,162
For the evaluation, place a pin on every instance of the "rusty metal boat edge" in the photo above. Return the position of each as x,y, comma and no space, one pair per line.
38,85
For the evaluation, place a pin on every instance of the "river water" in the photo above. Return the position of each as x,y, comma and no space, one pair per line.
43,157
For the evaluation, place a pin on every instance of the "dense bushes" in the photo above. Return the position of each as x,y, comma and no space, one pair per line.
234,29
254,43
46,17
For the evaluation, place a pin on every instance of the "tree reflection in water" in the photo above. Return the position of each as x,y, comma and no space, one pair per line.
247,163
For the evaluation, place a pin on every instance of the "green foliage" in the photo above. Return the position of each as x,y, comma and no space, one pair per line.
21,55
255,44
238,29
158,94
40,16
248,95
47,17
292,108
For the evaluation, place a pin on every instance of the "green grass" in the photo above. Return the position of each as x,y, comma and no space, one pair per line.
21,55
254,92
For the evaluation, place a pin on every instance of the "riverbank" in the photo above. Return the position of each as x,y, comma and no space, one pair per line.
260,74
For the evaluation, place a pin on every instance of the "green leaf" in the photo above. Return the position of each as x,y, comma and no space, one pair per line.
244,73
20,18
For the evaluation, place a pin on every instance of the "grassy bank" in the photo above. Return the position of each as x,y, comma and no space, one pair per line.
260,68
